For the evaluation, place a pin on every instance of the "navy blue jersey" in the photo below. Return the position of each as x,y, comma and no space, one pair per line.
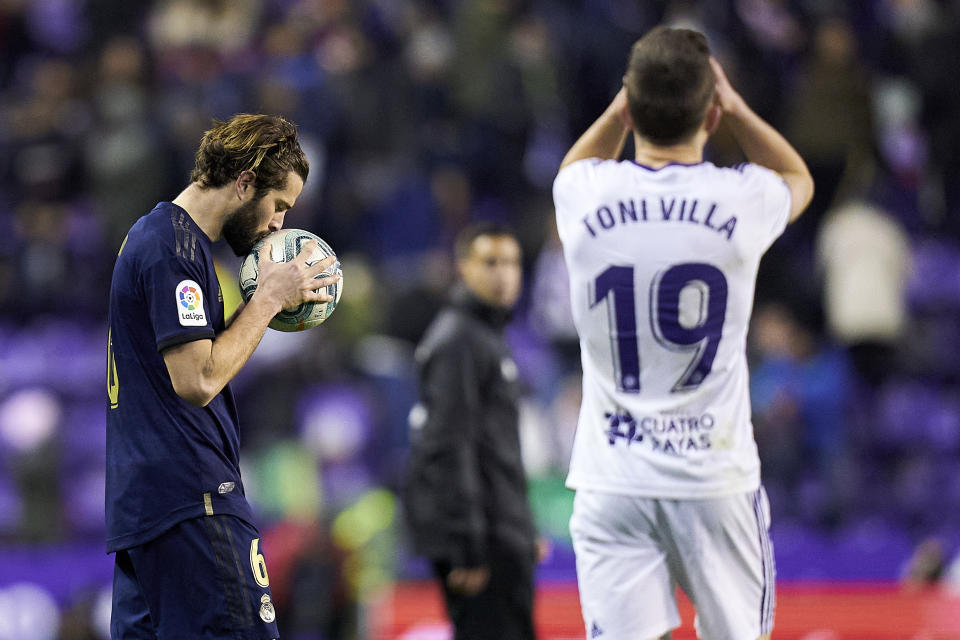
167,460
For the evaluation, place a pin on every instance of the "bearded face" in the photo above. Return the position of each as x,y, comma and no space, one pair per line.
242,229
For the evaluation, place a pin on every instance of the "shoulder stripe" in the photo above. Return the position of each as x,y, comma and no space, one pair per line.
185,238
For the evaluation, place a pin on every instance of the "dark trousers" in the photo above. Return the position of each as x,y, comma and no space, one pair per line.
504,609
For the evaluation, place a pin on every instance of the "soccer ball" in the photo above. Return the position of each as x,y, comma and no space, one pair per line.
284,245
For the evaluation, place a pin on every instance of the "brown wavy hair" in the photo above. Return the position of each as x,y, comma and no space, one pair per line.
670,84
264,144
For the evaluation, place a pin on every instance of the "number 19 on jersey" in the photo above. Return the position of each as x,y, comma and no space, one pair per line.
615,285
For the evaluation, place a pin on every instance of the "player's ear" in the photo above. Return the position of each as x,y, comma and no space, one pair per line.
712,120
245,183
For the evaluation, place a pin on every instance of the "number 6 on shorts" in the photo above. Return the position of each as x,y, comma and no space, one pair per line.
258,564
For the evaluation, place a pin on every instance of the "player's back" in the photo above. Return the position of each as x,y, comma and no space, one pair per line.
662,267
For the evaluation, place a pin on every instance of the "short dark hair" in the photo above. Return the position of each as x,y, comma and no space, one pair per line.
670,84
464,242
264,144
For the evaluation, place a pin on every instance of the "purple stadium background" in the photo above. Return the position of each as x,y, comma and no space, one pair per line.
419,116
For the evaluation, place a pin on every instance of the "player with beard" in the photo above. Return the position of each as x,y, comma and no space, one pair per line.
188,557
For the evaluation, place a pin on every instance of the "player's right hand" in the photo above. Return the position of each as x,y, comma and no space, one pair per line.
292,283
468,581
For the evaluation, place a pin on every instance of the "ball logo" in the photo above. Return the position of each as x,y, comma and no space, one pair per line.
190,310
189,297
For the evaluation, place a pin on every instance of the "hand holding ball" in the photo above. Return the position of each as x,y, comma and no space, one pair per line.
284,246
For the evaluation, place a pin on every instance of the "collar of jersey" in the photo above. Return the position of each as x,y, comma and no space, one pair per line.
669,164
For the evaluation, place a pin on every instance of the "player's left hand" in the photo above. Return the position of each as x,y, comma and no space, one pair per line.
289,284
727,97
621,109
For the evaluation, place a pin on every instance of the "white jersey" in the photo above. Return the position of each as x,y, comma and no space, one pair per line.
663,265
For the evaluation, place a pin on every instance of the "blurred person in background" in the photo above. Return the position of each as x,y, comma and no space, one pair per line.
801,390
466,493
838,149
664,463
176,509
123,155
831,79
865,255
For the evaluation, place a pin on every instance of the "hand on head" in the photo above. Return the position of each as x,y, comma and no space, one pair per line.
621,108
726,96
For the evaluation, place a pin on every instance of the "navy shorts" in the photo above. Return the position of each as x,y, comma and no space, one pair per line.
204,578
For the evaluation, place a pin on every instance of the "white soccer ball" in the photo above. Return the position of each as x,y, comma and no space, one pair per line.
284,245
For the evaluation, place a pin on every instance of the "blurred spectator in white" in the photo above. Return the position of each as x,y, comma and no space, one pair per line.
29,425
865,256
226,26
29,611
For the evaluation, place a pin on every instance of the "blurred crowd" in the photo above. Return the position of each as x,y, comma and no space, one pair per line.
419,116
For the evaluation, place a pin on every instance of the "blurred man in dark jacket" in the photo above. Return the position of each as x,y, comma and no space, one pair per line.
466,492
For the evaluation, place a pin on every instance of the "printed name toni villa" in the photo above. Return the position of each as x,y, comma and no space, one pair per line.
685,210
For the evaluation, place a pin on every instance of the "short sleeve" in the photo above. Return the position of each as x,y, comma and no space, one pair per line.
775,201
175,292
572,187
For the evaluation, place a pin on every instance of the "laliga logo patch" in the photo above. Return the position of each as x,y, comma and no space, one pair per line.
267,613
190,304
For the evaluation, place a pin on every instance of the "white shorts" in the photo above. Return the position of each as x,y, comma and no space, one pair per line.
632,553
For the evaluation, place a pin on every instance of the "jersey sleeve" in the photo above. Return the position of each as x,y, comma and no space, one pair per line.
775,202
571,188
175,292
